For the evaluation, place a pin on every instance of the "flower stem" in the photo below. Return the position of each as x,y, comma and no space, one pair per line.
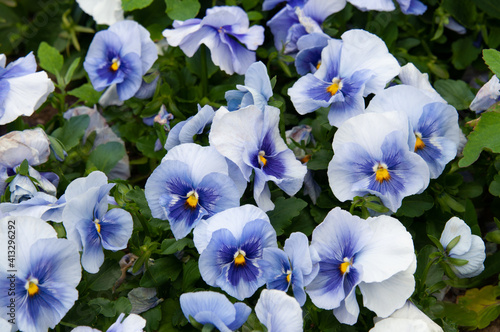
423,279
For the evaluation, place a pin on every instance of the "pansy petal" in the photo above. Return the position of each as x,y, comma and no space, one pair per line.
278,311
92,256
453,228
476,256
116,229
348,311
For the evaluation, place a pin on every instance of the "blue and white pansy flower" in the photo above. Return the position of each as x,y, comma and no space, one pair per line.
279,312
291,266
350,69
91,226
488,95
47,273
310,46
372,155
469,247
184,131
299,18
120,55
231,245
214,308
434,124
256,91
191,183
375,254
408,7
250,138
223,30
22,89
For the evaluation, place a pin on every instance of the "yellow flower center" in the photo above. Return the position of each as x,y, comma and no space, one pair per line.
239,258
288,276
345,266
381,173
262,159
115,64
419,144
32,286
335,86
192,199
97,225
319,64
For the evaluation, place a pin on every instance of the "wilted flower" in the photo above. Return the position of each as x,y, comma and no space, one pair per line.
372,156
120,55
469,247
375,254
298,18
231,245
406,319
345,76
256,91
184,131
89,223
488,95
103,11
48,271
291,266
250,138
214,308
278,311
434,124
221,30
22,89
190,184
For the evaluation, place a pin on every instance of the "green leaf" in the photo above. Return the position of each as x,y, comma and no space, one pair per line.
71,70
415,205
72,131
108,274
457,93
23,169
452,244
457,261
87,94
464,11
284,211
153,318
320,160
490,7
492,59
486,135
483,302
129,5
122,304
493,236
207,328
137,195
170,246
161,271
50,59
190,274
105,306
494,187
464,52
57,148
106,156
436,242
182,9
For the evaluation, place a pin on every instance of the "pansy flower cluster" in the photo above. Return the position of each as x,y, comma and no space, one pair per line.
293,179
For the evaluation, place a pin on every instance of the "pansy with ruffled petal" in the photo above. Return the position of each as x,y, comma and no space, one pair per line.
299,18
214,308
221,30
250,138
191,184
278,311
22,89
48,271
256,91
291,266
120,56
345,76
434,124
89,223
469,247
408,318
231,245
372,156
375,254
103,11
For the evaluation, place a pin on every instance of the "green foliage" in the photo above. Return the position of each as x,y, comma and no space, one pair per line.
86,93
492,59
129,5
284,211
484,136
50,59
182,9
72,131
105,157
457,93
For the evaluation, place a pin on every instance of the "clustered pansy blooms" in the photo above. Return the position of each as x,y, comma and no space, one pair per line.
169,204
